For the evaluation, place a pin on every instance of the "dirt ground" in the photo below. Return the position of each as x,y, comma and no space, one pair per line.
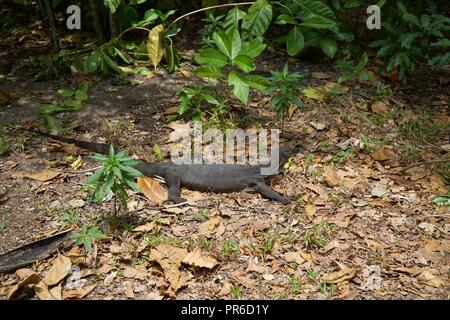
361,228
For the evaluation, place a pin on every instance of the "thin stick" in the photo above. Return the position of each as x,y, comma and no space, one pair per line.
76,171
424,163
209,8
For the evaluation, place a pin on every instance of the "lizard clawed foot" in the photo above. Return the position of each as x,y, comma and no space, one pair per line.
177,200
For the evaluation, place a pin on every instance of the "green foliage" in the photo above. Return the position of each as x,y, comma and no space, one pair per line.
409,39
87,236
312,23
235,292
319,235
238,57
72,101
195,99
117,175
229,246
285,88
443,200
68,218
4,145
201,215
3,223
351,72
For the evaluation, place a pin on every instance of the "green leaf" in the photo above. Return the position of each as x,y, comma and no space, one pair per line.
66,92
131,171
223,42
112,5
295,41
245,63
209,72
329,47
258,82
236,43
233,17
408,17
211,57
285,19
258,18
316,14
95,177
253,48
240,85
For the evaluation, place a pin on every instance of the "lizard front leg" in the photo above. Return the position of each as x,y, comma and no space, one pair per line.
174,185
268,192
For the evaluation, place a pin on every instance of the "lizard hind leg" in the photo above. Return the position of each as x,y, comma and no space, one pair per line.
174,185
268,192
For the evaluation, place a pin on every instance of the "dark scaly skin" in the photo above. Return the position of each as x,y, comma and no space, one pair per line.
202,177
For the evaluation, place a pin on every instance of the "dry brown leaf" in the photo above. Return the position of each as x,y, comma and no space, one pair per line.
145,228
198,259
214,225
379,107
152,190
185,73
78,293
343,218
294,257
382,154
255,266
128,290
225,290
25,273
242,278
43,176
43,292
30,278
170,258
110,278
320,75
310,210
340,276
130,272
429,278
58,271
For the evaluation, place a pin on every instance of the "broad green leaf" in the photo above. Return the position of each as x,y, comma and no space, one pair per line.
329,47
66,92
236,43
408,17
223,42
295,41
316,14
258,18
253,48
233,17
211,57
209,72
154,45
112,5
285,19
245,63
240,85
258,82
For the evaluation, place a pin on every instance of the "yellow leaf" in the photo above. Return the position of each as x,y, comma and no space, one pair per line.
154,45
152,190
315,94
77,163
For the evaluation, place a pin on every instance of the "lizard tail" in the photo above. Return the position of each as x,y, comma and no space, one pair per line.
91,146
